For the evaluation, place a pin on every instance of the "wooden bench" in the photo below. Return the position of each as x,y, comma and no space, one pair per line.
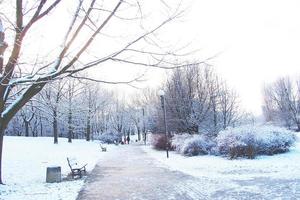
76,169
104,149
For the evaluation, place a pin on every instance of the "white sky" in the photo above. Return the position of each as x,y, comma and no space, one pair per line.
259,41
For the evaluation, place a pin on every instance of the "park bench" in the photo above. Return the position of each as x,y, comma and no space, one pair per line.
104,149
77,170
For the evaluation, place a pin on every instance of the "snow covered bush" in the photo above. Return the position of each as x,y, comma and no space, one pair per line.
249,141
109,137
275,141
197,145
178,141
159,142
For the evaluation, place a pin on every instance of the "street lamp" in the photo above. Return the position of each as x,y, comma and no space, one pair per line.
144,127
161,93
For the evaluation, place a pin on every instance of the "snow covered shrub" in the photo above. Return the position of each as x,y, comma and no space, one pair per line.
249,141
274,141
159,141
197,145
178,141
109,137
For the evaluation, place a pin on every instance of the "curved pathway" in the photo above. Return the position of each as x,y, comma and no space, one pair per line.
128,173
133,175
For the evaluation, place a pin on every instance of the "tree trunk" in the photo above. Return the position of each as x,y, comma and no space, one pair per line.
124,135
26,128
70,131
215,117
55,131
88,128
139,133
35,128
298,126
41,126
1,147
2,130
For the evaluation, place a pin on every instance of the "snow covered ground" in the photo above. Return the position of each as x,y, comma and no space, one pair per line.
25,161
259,176
267,177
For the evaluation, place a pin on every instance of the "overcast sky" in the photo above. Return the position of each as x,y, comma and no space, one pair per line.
259,40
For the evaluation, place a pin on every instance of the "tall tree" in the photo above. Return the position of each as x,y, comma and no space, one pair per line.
73,89
198,101
52,96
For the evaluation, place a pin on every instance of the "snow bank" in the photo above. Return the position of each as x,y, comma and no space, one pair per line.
25,161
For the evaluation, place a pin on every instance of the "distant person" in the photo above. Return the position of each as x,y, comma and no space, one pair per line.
128,139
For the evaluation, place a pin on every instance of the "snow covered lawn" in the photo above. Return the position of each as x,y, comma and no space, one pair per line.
25,161
240,175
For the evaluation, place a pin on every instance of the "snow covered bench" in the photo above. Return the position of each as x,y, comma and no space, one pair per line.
77,170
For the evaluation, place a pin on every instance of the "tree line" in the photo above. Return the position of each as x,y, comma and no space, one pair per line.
75,109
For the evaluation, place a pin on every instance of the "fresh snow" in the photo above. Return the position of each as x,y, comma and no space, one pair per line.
25,161
222,174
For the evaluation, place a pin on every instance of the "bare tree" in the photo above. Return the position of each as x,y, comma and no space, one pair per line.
282,102
118,117
27,115
229,106
199,102
73,89
52,96
179,96
91,109
136,116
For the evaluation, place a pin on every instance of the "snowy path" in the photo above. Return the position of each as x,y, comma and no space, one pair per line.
136,175
133,175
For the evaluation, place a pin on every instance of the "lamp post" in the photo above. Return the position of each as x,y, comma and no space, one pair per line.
144,127
161,93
